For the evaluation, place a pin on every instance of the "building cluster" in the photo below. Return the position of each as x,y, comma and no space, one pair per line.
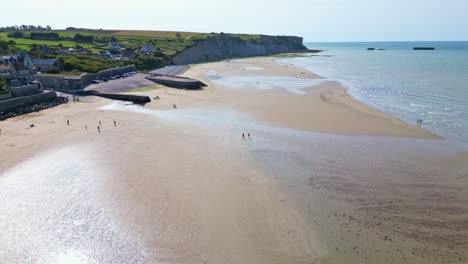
19,69
114,51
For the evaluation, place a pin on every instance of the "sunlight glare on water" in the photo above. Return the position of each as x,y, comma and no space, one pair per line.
71,257
52,211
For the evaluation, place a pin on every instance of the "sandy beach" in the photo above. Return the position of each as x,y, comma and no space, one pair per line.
322,179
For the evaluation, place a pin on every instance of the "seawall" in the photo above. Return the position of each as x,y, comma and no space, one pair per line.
225,46
11,104
25,90
5,96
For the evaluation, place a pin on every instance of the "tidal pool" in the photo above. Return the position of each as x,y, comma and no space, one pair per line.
289,84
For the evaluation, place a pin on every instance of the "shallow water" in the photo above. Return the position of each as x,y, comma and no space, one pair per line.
432,85
53,208
289,84
51,213
231,122
252,68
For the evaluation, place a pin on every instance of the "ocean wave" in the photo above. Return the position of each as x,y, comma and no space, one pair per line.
422,106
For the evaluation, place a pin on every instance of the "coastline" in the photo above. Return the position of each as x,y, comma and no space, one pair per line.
329,107
324,178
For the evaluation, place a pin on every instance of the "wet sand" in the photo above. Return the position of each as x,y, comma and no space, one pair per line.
324,179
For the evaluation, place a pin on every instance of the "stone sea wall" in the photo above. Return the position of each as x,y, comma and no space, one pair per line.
12,104
225,46
5,96
25,90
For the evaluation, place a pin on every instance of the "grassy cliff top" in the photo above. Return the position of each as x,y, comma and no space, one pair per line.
168,42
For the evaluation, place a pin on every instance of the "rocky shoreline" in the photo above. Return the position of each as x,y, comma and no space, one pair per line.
32,108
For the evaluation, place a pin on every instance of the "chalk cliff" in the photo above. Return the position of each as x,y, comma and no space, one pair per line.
226,46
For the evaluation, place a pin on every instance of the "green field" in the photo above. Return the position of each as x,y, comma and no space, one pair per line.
25,44
166,42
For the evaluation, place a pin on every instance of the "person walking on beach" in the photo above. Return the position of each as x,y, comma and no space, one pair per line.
115,124
68,122
243,136
420,122
99,129
248,135
100,124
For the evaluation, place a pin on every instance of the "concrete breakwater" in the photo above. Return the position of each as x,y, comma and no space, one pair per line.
176,81
136,99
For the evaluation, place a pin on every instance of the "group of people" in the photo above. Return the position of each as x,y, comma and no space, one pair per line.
74,98
98,127
419,122
245,137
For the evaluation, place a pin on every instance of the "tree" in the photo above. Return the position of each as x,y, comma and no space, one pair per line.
2,83
16,34
83,39
48,28
35,47
53,70
179,36
4,46
44,35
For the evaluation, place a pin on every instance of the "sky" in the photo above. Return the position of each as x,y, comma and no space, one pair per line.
315,20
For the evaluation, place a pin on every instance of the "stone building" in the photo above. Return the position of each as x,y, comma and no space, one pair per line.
44,65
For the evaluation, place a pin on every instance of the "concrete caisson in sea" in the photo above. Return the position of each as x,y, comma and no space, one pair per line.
176,81
423,48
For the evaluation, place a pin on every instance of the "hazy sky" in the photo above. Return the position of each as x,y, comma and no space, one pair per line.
315,20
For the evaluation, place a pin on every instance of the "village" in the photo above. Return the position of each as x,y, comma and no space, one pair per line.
21,68
22,74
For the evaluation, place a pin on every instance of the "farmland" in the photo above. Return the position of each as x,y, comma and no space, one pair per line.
166,42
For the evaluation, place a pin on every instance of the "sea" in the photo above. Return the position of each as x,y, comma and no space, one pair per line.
431,85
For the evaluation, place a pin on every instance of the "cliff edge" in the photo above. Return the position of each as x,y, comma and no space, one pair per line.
226,46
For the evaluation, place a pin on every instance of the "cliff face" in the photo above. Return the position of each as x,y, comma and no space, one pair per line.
222,47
